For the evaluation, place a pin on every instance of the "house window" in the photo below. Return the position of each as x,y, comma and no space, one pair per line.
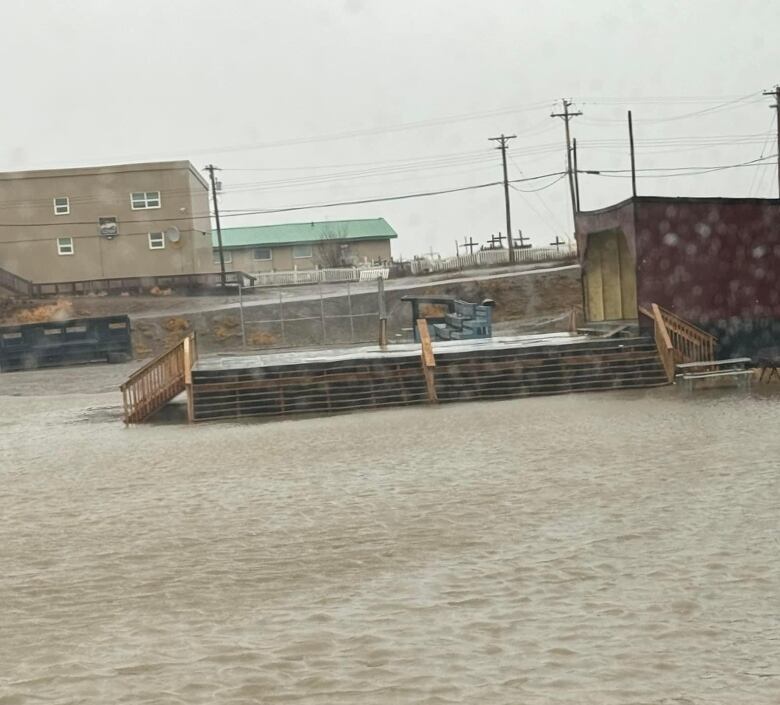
65,246
156,241
61,205
140,200
227,254
261,253
301,251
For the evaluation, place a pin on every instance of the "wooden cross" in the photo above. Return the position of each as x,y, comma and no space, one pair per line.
470,244
521,240
496,242
557,244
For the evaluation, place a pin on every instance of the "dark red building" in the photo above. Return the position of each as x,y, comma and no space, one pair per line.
712,261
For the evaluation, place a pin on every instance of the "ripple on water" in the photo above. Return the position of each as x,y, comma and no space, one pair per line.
620,553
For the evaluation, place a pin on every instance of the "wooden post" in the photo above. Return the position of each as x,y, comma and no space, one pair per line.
382,313
663,342
188,362
427,358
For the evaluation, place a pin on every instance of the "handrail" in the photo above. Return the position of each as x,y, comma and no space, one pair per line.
677,340
158,381
673,316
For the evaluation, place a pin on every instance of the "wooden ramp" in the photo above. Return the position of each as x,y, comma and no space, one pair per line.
150,388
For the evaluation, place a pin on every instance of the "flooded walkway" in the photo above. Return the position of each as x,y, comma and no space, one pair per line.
600,548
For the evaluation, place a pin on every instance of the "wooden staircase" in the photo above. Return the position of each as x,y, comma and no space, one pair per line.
678,341
150,388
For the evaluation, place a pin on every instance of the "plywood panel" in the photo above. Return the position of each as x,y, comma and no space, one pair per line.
627,278
593,281
610,276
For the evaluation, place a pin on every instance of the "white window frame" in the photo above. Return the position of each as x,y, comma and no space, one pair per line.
157,242
262,259
309,256
145,200
227,254
65,249
56,206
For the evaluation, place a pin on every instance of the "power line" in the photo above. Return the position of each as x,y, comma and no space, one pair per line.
758,176
678,171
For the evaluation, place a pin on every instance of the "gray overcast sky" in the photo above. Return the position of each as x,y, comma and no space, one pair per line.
262,88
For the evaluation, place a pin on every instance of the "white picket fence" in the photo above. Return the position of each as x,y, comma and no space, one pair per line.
315,276
491,258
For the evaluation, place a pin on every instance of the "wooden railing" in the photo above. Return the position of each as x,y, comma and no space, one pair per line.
119,285
160,380
15,283
677,340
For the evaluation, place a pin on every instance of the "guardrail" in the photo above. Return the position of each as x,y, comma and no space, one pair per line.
159,380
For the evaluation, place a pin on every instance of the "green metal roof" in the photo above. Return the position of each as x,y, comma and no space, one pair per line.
305,233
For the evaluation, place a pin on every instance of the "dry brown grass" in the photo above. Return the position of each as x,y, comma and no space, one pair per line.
177,325
225,328
59,310
260,339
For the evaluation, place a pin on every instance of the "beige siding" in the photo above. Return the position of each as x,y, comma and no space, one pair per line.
283,260
29,227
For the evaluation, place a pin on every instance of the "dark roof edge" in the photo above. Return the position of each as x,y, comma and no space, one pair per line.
680,199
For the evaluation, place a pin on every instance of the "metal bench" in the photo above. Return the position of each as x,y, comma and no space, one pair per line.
768,360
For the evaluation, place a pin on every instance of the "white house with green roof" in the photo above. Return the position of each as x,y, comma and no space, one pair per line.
330,243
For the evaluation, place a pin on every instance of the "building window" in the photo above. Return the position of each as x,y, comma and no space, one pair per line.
156,241
227,254
301,251
61,205
261,253
140,200
65,246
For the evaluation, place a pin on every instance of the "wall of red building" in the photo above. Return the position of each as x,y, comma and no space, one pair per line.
709,260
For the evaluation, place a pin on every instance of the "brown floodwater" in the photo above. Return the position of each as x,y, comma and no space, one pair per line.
606,548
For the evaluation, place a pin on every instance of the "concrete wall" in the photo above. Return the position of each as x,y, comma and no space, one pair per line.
283,260
29,227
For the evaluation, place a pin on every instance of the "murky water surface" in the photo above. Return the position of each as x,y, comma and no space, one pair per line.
612,548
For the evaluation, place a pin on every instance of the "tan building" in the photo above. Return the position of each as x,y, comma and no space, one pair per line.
332,243
128,220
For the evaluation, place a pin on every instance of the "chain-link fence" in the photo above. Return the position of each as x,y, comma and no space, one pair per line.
319,314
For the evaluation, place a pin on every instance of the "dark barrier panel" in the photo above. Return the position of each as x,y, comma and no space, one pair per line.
56,343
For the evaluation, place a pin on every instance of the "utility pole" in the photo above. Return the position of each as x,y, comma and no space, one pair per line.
566,115
576,174
502,140
776,108
633,161
210,169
